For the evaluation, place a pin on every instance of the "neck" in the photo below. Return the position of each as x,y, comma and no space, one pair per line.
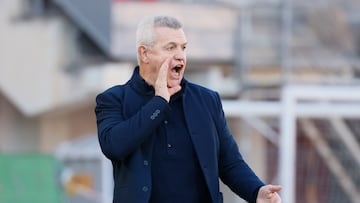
145,76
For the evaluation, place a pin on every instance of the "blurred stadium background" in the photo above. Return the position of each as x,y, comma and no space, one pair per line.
287,70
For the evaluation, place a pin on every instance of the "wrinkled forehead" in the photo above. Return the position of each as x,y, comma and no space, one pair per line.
170,35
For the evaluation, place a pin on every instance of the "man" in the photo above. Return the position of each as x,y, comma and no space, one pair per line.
168,138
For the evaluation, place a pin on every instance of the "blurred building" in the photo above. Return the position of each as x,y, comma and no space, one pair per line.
57,55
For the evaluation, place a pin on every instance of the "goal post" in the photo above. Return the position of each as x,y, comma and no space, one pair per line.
300,102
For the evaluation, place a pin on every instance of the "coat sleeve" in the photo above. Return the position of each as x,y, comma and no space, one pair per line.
120,136
233,169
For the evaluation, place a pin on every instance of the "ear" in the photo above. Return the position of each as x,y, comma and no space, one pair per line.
143,54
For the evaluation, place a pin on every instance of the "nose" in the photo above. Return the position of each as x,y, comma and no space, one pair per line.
180,55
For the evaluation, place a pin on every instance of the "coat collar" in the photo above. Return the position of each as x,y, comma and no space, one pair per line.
139,84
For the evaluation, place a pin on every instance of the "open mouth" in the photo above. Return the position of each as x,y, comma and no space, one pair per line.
177,68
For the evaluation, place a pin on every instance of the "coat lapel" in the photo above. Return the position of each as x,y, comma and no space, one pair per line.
203,134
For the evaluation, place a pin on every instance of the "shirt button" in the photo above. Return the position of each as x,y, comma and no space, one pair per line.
145,189
146,163
169,145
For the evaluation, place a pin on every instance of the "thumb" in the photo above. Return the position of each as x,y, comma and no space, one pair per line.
173,90
274,188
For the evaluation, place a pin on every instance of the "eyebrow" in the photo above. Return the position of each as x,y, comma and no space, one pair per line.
174,43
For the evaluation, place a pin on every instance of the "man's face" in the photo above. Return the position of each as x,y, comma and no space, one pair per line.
170,44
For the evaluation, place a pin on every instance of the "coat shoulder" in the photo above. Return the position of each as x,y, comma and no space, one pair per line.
204,91
113,90
207,96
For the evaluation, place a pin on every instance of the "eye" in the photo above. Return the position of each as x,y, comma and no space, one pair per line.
169,48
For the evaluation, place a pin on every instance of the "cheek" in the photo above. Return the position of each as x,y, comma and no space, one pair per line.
155,64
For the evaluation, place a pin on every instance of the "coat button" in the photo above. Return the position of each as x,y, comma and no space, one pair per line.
146,163
155,114
169,145
166,122
145,189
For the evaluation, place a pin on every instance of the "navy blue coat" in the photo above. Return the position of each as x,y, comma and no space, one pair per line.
127,120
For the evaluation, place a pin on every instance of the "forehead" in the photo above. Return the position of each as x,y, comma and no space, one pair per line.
169,35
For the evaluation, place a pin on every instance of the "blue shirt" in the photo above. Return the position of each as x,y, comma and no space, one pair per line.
176,173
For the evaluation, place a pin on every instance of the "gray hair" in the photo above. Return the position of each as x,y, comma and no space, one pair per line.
145,34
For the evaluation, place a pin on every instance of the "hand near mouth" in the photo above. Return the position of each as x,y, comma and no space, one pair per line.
161,87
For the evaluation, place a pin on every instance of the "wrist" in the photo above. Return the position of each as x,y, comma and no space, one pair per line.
165,97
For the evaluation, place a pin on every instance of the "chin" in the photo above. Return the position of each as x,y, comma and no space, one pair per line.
174,83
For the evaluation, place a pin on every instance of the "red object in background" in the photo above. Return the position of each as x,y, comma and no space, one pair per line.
134,0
